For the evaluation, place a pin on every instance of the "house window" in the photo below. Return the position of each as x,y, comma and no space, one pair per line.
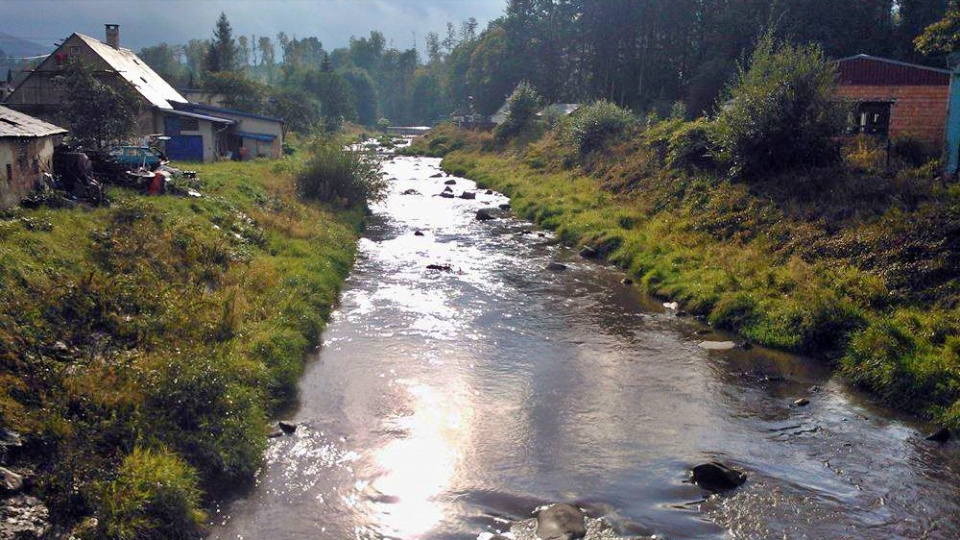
9,172
23,160
872,118
74,50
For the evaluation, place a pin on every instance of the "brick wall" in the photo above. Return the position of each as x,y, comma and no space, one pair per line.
920,111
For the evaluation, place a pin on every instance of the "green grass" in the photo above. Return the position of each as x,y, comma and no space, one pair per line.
176,325
868,288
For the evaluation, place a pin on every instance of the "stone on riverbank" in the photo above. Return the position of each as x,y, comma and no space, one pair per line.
561,522
715,476
717,345
556,267
941,435
450,182
287,427
10,482
468,195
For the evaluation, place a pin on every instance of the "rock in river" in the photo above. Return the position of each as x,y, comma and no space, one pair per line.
450,182
410,192
556,267
587,252
717,345
504,206
802,402
10,482
561,522
439,267
438,175
418,233
468,195
447,195
941,435
484,215
715,476
626,281
287,427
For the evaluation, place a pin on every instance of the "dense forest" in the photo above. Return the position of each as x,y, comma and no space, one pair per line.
646,55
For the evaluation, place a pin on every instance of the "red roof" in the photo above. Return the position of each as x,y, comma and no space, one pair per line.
865,70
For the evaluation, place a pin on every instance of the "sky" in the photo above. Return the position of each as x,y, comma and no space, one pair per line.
149,22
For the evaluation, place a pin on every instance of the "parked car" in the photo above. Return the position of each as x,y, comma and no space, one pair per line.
135,157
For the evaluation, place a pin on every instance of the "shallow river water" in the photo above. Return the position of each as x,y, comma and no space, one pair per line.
451,405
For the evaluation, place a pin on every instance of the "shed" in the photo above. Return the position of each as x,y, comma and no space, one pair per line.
250,135
893,98
26,152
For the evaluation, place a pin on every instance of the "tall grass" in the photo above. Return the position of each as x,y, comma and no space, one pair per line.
339,176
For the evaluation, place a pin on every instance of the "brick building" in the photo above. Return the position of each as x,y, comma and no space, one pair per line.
894,98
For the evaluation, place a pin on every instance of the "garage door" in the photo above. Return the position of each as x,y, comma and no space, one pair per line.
185,148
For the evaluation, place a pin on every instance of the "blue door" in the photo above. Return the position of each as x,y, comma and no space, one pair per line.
185,148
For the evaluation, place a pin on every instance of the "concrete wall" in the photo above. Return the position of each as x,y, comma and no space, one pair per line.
919,111
256,149
24,160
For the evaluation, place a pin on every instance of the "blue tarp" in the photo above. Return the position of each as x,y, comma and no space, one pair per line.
256,136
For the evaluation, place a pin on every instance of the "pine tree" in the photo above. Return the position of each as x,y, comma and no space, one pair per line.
222,55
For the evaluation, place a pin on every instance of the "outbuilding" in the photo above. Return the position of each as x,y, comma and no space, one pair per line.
26,152
893,98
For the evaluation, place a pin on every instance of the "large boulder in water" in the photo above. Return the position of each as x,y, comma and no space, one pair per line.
468,195
484,215
587,252
561,522
715,476
450,182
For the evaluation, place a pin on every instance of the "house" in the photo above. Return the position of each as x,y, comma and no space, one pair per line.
39,95
559,110
249,135
195,132
26,152
500,116
893,98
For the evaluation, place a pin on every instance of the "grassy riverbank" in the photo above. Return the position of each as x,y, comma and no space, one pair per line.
853,265
143,346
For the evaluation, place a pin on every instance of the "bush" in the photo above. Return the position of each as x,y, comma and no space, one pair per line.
340,177
155,496
593,125
781,113
690,147
911,150
522,107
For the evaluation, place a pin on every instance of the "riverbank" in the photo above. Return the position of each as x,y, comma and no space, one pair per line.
144,346
857,268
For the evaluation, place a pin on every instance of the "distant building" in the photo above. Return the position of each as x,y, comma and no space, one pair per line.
26,152
558,110
500,116
195,132
893,98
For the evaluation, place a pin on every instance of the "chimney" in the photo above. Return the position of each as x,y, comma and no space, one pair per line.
113,35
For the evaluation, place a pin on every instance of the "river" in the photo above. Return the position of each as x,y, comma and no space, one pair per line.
451,405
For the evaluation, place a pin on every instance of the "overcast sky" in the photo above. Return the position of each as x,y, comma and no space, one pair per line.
148,22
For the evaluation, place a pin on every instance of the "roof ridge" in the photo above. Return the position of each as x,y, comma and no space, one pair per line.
863,56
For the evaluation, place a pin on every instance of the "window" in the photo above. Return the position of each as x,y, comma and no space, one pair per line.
74,50
872,118
9,172
22,157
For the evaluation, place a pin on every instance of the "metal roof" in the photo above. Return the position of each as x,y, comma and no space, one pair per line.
17,124
265,137
147,82
866,70
225,111
204,117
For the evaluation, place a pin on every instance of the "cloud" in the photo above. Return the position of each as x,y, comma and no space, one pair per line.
148,22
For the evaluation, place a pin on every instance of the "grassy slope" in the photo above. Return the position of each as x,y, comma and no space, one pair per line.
170,323
757,264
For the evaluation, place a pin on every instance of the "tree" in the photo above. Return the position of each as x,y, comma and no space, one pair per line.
164,60
942,37
238,91
333,93
366,53
522,107
97,110
268,57
781,112
299,111
364,93
222,54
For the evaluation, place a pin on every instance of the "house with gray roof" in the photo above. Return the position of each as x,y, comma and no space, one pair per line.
189,132
26,152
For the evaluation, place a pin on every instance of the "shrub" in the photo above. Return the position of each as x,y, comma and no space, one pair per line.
690,147
154,496
911,150
781,113
340,177
593,125
522,107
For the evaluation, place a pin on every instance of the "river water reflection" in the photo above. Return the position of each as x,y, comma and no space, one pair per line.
453,404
